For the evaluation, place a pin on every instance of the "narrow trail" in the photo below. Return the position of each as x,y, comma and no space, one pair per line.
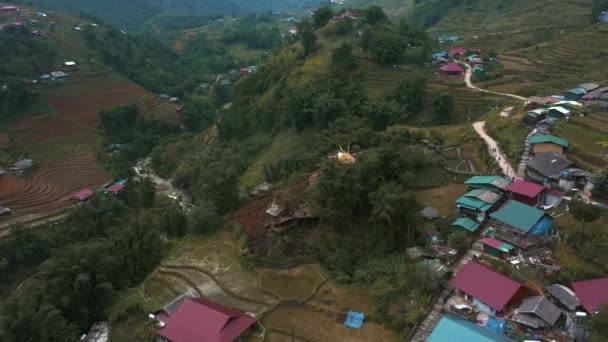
467,80
494,150
479,126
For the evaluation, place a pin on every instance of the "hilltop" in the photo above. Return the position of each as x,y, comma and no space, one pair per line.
133,13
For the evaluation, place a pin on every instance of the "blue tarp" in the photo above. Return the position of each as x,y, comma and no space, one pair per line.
122,181
542,227
496,325
354,319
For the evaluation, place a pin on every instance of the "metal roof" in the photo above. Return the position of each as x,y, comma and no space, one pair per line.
541,139
488,182
488,286
549,164
560,109
478,199
451,328
541,307
592,293
526,188
466,223
518,215
564,295
430,212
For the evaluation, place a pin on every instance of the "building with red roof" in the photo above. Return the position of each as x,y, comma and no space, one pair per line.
462,52
82,195
202,320
591,293
451,69
527,193
116,188
486,288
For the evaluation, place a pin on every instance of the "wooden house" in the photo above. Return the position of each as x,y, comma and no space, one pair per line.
521,225
528,193
548,143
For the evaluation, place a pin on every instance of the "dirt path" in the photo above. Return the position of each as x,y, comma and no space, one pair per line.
494,150
467,80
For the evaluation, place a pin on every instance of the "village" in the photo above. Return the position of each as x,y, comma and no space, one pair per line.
492,284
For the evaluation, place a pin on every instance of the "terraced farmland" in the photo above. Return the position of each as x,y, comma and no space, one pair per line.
469,104
61,143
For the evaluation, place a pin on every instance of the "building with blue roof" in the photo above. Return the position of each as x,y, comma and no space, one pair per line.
452,329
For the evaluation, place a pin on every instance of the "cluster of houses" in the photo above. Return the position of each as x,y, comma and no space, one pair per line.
507,216
109,188
448,62
58,75
19,17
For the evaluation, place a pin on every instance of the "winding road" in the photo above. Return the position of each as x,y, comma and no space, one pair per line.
479,126
467,80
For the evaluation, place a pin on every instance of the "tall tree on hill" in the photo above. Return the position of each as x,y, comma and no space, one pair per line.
393,214
374,14
410,94
584,212
119,122
443,104
322,16
309,38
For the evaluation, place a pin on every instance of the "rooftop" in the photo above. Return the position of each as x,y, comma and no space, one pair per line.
488,182
466,223
478,199
542,139
200,319
452,67
497,244
560,109
537,307
518,215
592,293
526,188
549,164
488,286
451,328
564,295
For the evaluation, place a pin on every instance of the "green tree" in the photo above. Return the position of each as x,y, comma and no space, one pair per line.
374,14
410,95
343,61
309,41
443,105
119,122
393,216
460,240
322,16
204,218
601,185
599,324
584,212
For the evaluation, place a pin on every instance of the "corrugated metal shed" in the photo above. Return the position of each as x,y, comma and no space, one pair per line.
518,215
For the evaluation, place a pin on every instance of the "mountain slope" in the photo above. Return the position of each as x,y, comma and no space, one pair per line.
497,16
133,13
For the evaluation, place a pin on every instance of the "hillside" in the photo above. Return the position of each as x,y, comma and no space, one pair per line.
507,17
60,134
133,13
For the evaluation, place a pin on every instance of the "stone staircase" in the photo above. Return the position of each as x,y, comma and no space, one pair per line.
521,170
427,326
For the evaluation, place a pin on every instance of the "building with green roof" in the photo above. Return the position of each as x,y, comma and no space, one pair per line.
466,224
493,183
548,143
477,202
451,329
521,224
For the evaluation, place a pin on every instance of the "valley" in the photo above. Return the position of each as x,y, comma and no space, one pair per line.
283,171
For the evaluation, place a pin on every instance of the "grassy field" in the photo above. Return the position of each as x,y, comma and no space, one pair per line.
209,266
442,198
510,135
496,16
585,150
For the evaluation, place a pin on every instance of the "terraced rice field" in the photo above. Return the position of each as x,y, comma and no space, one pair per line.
468,103
61,144
575,57
300,298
